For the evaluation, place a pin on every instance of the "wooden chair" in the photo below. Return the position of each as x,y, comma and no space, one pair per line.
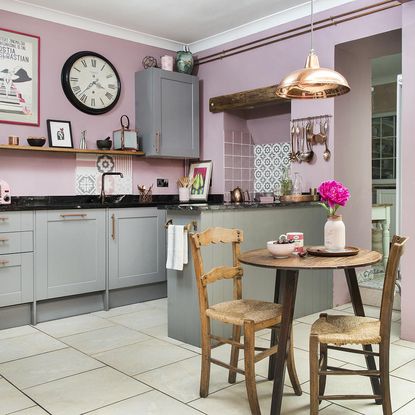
332,332
251,315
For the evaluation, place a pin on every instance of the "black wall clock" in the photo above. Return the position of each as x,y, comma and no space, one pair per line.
90,82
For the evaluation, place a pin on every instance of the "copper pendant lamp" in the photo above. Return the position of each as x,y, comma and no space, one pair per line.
312,82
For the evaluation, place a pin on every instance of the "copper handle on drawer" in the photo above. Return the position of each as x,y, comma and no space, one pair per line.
3,263
113,227
73,215
4,218
4,240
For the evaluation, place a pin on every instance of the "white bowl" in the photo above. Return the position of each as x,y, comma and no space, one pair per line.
280,250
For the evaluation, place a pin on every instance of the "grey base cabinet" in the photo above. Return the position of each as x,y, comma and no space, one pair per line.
70,252
167,113
136,248
16,258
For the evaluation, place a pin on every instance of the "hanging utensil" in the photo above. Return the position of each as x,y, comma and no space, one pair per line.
298,134
292,155
327,152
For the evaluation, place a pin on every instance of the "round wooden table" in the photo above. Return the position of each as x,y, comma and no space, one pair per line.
285,293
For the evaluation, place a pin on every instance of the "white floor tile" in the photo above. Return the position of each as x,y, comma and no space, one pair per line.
335,409
85,392
16,331
11,399
34,410
142,319
402,391
181,380
310,319
149,403
101,340
406,371
408,409
141,357
342,306
234,401
28,345
161,333
73,325
405,343
374,312
117,311
46,367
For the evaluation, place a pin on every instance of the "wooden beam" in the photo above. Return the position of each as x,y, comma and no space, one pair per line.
251,99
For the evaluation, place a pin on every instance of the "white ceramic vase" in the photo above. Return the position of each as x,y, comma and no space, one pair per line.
334,234
184,194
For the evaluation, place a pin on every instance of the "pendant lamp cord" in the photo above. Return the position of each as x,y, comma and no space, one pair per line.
312,25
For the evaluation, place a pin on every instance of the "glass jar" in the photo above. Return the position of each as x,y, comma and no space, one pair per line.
334,234
286,182
297,184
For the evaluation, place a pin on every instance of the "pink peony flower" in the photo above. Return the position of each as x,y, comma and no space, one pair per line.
333,194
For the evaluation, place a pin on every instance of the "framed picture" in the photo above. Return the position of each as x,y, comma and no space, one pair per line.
201,171
59,134
19,78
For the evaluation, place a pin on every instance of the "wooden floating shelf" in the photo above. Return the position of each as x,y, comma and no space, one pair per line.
254,98
71,150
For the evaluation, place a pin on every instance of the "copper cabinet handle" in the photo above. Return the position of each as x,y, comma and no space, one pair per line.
157,141
113,227
74,215
4,218
4,262
4,240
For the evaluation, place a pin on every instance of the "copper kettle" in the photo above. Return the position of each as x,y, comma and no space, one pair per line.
238,195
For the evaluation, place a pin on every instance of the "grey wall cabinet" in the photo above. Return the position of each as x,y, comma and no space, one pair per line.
167,113
16,258
137,249
70,252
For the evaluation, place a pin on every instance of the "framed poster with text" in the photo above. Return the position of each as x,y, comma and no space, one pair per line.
19,78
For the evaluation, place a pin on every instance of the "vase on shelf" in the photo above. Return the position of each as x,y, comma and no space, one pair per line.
334,234
184,61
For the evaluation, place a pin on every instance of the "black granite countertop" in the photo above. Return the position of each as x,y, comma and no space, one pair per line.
92,202
186,207
168,202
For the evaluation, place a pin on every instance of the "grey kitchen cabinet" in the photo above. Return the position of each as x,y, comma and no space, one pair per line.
167,113
137,248
70,252
16,258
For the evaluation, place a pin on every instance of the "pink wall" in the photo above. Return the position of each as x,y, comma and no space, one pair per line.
408,179
50,174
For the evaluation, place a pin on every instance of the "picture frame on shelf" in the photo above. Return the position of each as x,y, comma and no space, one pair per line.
59,134
202,172
19,78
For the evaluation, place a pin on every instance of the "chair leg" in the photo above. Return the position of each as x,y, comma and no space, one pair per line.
271,364
206,350
323,378
292,372
384,379
314,375
249,351
236,336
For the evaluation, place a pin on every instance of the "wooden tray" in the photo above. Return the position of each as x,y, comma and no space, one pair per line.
299,198
321,251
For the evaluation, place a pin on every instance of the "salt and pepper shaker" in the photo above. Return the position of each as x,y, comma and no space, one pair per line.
82,141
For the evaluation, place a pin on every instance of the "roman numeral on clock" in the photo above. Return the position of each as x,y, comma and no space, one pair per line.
94,63
109,96
111,86
84,62
83,98
76,89
73,79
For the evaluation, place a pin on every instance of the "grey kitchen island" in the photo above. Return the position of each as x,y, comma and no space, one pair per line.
260,223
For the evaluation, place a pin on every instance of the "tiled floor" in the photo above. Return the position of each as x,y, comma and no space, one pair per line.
122,362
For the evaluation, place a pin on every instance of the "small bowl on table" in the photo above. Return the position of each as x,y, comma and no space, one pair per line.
280,250
36,141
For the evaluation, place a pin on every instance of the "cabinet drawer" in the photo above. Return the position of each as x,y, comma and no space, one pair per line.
16,279
15,242
16,221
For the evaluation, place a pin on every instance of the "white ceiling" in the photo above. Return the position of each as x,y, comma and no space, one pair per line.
170,23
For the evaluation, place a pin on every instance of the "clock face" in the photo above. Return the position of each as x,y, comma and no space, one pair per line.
91,83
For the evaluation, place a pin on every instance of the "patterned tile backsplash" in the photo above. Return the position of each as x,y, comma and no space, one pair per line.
269,162
238,161
89,169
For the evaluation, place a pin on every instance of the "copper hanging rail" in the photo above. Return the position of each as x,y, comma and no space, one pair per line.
301,30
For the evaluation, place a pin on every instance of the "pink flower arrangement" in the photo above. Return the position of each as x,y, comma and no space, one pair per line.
333,194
